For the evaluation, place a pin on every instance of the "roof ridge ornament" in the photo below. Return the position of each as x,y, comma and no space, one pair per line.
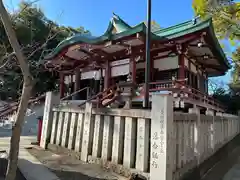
115,16
195,19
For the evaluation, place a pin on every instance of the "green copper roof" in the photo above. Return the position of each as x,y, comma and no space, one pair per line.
183,28
122,29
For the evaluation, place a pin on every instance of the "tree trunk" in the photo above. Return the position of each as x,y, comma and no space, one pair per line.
16,132
26,93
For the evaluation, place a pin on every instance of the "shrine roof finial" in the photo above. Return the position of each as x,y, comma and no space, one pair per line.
115,16
119,23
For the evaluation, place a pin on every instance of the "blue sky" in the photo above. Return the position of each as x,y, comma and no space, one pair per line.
94,15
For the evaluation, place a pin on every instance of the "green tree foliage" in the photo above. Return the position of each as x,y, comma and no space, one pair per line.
225,14
37,35
230,99
226,19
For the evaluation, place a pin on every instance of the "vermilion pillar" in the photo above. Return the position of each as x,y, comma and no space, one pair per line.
107,75
206,83
61,85
189,73
70,85
77,83
133,69
181,70
101,80
198,79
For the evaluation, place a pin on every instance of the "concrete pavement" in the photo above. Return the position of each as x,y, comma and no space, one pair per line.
31,168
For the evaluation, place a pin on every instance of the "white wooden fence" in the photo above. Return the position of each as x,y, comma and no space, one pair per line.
154,142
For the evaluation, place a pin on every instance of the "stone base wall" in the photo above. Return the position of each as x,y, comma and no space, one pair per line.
148,142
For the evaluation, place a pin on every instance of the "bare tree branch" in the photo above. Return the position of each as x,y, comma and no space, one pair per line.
8,57
43,45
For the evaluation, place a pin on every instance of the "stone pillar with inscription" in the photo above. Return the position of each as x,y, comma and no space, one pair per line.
50,100
161,162
77,84
62,85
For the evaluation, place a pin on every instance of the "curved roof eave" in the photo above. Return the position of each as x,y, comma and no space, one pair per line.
166,33
107,36
182,29
185,28
80,38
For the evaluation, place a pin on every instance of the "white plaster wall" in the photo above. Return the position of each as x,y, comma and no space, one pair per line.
115,71
166,63
30,127
120,70
31,123
91,74
162,64
119,62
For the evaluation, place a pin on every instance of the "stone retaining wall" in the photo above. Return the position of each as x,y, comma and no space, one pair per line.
153,143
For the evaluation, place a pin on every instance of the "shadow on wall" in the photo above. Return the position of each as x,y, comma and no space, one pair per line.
30,127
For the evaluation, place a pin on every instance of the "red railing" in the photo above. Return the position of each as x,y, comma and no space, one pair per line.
176,86
203,97
165,85
109,93
179,86
87,89
100,97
